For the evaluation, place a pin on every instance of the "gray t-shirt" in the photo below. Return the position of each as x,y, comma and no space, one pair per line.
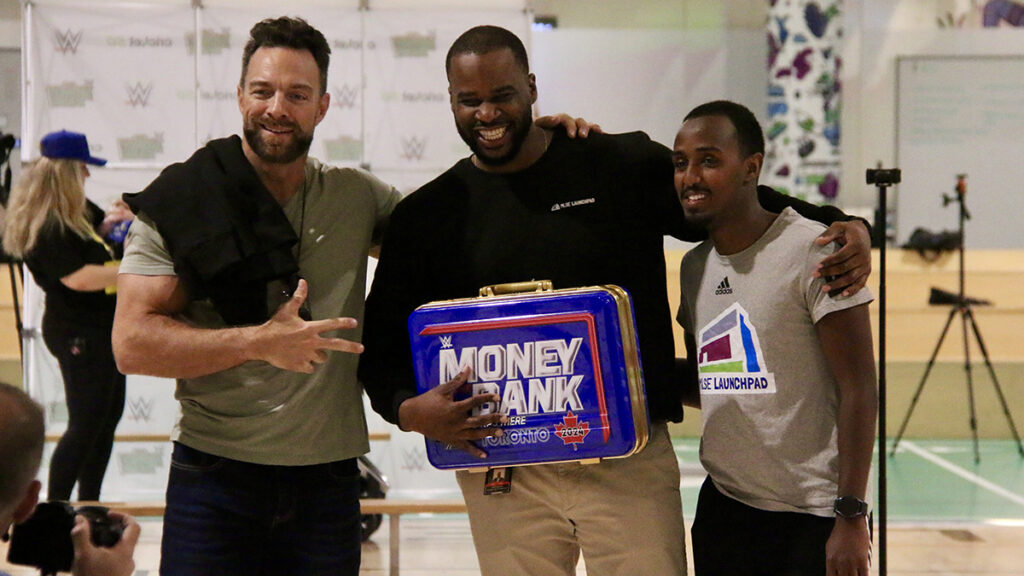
769,403
256,412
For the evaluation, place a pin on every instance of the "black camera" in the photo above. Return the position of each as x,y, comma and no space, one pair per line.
883,177
44,540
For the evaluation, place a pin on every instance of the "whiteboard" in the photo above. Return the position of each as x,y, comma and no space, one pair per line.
961,115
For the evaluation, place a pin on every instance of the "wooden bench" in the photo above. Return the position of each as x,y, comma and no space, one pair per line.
373,436
392,508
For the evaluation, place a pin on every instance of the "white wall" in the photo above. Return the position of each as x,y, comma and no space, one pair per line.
879,31
10,24
645,79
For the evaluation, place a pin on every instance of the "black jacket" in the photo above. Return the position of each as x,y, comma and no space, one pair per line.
227,234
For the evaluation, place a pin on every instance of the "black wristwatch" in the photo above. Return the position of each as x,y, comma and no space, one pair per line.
850,507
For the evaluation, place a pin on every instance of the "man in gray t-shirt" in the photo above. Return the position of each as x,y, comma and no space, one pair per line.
783,373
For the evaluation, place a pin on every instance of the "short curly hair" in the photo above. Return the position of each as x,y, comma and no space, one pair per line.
487,39
748,129
287,32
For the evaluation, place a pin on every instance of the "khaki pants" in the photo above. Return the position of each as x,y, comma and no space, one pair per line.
624,515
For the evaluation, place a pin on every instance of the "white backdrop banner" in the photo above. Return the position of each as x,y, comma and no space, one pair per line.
104,71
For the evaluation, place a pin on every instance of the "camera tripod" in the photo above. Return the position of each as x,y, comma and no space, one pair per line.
962,306
7,143
882,179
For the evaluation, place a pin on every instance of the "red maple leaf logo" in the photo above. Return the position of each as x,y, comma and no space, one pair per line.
570,431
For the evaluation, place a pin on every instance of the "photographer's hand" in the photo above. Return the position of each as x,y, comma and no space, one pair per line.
92,560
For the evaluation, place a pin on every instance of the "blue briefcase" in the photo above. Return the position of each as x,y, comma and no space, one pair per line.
565,363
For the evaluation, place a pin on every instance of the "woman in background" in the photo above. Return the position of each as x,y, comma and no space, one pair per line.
58,233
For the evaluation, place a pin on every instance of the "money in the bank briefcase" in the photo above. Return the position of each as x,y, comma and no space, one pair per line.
565,364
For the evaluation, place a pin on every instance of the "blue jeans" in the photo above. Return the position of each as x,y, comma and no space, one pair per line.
226,517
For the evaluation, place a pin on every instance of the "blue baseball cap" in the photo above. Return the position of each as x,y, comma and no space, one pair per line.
71,145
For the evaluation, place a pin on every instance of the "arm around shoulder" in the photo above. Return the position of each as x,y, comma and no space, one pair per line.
775,201
849,267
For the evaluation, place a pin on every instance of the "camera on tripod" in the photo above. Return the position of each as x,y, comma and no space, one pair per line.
883,176
960,189
961,305
44,540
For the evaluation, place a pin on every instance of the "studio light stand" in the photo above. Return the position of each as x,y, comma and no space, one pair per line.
882,179
962,306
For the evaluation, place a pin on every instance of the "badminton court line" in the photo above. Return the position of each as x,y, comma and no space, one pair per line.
965,474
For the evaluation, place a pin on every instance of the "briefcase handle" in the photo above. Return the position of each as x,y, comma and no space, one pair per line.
517,288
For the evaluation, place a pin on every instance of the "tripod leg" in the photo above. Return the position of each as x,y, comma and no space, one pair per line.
920,387
15,269
970,381
995,381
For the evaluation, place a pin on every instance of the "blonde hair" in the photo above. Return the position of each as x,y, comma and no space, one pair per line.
50,191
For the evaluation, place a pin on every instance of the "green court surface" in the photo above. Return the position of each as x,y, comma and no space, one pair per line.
928,481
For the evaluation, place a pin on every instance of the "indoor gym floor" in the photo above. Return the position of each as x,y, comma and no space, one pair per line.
947,516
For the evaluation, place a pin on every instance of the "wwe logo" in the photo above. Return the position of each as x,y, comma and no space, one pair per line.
67,41
446,342
412,149
413,460
138,94
346,96
141,408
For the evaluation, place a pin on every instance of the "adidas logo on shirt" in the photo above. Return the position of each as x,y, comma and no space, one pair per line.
723,287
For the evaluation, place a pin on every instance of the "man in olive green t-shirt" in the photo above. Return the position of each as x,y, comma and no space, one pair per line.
264,478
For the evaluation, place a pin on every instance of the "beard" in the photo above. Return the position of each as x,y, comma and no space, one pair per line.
519,129
298,146
699,220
